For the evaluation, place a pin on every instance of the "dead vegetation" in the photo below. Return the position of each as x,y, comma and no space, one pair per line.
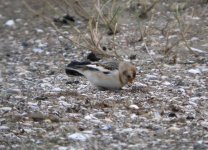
93,37
107,14
42,108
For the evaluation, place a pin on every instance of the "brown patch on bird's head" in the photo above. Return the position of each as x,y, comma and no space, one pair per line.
132,73
128,72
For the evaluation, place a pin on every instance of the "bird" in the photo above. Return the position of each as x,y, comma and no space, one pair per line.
105,76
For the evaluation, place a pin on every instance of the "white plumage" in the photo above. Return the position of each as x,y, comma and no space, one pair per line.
106,75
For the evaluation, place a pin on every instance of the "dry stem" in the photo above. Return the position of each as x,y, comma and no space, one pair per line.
182,32
93,43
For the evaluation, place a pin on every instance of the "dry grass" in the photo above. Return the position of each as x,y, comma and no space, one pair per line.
93,37
106,14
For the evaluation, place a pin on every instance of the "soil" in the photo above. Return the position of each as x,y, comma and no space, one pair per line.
166,107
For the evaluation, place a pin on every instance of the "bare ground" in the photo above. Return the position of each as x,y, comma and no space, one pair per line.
42,108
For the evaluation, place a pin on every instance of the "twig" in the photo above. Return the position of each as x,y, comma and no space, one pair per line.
144,13
182,32
80,10
115,52
93,41
50,5
152,58
49,21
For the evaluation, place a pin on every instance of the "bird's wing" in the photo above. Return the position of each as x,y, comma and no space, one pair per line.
109,65
76,68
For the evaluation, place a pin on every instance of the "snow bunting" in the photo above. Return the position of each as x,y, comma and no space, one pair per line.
104,76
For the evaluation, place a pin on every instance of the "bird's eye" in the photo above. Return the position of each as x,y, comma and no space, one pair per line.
128,76
134,74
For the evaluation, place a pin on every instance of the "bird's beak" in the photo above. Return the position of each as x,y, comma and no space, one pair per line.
131,80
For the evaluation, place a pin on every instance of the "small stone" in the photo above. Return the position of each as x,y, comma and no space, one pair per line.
39,30
2,147
89,117
197,50
37,116
41,98
10,23
106,127
133,116
166,83
173,129
194,71
13,91
2,121
5,109
100,114
57,89
190,117
37,50
172,114
77,137
133,107
72,82
4,128
25,44
32,103
151,77
62,148
132,57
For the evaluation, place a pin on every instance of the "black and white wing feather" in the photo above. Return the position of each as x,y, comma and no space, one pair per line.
76,68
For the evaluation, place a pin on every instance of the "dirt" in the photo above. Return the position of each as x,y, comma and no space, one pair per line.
165,108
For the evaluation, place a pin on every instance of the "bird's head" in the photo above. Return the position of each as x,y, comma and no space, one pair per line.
127,72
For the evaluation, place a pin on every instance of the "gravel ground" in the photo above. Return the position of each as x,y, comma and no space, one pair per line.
42,108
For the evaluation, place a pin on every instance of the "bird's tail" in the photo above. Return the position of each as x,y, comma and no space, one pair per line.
74,68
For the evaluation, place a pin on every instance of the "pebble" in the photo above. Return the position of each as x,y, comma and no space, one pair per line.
166,83
39,30
106,127
151,77
100,114
133,116
13,91
124,130
92,119
10,23
63,103
133,107
2,147
140,116
37,50
194,71
62,148
5,109
89,117
174,129
37,116
4,128
57,89
77,137
197,50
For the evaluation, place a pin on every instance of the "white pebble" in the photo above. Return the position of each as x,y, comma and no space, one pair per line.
37,50
77,137
10,23
133,107
39,30
166,83
62,148
194,71
5,109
